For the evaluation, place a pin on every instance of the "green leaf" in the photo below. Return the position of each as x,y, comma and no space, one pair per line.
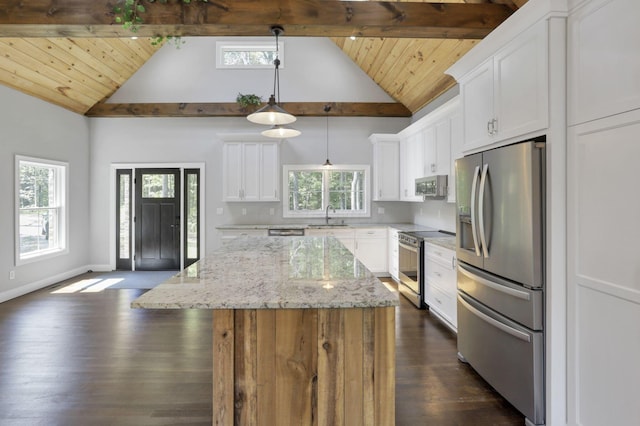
118,20
141,8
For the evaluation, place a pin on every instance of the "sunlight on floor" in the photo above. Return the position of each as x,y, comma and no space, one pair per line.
88,286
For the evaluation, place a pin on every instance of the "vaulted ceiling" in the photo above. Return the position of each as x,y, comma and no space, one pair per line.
70,52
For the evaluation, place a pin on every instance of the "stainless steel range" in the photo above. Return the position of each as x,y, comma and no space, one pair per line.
410,259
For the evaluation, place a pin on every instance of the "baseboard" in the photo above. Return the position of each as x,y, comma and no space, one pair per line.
28,288
100,268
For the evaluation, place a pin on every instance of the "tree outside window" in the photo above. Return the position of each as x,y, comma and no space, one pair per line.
313,189
40,205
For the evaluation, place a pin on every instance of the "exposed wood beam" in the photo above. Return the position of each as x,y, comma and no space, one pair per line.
318,18
299,109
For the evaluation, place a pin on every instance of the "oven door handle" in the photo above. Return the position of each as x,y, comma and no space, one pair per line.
407,247
495,323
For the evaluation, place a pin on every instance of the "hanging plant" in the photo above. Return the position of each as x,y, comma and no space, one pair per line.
248,100
129,13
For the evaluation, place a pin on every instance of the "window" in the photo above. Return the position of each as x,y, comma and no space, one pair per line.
312,189
40,205
238,55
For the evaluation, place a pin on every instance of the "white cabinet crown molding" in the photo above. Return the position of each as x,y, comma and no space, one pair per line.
532,12
245,137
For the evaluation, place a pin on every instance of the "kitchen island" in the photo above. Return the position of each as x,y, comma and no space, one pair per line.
303,334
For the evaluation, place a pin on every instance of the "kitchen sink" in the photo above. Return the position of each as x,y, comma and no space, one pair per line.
331,225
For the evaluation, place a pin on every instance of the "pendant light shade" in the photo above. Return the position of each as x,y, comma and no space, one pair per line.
327,163
273,114
281,132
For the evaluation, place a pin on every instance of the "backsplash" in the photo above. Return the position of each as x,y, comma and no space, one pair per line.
436,214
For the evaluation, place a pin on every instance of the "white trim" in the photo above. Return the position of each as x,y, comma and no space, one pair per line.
245,137
63,222
38,285
257,46
113,205
317,214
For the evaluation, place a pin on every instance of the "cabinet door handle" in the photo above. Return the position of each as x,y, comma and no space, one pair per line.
380,193
453,262
494,125
489,127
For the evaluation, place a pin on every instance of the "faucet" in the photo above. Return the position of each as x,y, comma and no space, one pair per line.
326,213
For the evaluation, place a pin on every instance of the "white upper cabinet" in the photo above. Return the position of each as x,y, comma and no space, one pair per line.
386,167
251,171
456,152
411,165
604,59
477,106
506,96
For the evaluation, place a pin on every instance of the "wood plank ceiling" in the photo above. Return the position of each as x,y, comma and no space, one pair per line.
80,73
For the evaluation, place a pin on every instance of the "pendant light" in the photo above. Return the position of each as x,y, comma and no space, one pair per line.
327,163
281,132
272,114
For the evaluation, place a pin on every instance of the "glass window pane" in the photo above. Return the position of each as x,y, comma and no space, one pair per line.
305,190
125,216
40,201
158,185
192,216
346,190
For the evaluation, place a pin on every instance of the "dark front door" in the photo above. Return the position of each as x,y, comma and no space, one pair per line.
157,219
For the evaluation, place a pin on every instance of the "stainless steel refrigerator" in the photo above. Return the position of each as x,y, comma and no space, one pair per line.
500,251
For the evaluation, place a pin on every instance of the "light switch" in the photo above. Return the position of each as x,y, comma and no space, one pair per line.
219,210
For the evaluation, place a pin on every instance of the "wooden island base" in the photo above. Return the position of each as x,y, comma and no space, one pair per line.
304,366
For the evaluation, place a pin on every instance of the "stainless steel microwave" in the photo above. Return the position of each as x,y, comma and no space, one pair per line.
432,187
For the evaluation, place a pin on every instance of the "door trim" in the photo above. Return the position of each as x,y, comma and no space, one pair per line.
113,204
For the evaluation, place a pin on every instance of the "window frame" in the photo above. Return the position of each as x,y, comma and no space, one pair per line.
62,184
254,46
288,213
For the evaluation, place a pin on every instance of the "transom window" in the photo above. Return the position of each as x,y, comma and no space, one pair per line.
312,189
238,55
40,205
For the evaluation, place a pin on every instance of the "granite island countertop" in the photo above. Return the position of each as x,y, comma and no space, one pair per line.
272,273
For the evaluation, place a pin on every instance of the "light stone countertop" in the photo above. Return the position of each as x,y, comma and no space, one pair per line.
446,242
272,273
407,227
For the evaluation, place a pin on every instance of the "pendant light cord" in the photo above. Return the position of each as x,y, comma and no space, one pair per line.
276,76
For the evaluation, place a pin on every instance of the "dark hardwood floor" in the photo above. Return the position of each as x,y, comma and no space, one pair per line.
87,358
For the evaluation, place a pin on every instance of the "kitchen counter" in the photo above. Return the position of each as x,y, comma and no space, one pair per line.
272,273
446,242
302,332
407,227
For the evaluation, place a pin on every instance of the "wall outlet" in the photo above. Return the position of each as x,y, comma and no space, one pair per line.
272,211
12,275
219,210
380,210
244,212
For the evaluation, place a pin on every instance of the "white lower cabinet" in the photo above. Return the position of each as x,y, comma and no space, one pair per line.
369,245
371,248
603,280
345,236
441,283
394,262
231,234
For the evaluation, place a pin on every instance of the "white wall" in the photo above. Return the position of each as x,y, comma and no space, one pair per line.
34,128
314,70
436,214
184,140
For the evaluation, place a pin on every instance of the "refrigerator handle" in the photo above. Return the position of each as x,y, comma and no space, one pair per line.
495,323
483,183
497,287
474,231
